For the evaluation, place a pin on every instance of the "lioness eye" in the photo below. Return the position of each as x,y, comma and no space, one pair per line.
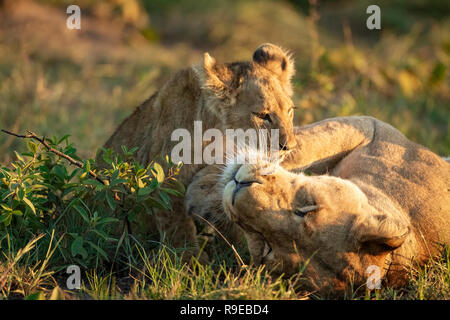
301,212
264,116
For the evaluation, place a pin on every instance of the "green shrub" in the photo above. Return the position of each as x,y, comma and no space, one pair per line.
91,215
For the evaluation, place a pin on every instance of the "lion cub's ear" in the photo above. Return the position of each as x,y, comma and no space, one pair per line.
278,61
213,77
379,233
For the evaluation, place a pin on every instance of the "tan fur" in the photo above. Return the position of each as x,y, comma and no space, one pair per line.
222,96
383,200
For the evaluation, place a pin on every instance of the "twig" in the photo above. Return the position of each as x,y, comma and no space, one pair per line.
71,160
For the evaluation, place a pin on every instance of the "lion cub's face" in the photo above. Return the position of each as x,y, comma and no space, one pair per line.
292,219
254,94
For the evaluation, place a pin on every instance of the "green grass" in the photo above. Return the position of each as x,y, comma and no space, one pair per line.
55,83
160,274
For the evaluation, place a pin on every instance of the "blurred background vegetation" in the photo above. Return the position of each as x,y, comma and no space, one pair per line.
57,81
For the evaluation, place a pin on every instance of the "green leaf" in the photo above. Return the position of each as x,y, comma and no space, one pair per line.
438,73
29,204
153,184
99,250
6,218
39,295
5,207
77,247
118,181
132,216
102,234
110,201
93,182
155,203
172,192
82,212
19,157
75,172
100,196
107,159
165,198
107,220
60,172
145,191
83,253
179,186
119,244
70,151
7,195
87,166
63,138
21,193
140,172
115,174
32,147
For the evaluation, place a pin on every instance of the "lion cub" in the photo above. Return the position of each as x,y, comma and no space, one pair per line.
251,94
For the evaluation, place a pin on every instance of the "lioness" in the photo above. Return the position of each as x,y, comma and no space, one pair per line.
242,95
378,200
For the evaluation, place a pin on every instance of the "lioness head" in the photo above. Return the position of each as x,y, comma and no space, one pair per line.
255,94
322,222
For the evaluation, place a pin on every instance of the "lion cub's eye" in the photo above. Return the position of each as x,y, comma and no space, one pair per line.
301,212
264,116
291,111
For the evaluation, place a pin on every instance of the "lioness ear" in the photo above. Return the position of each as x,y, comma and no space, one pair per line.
380,233
278,61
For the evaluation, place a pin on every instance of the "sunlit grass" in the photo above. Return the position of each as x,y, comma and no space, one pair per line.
23,278
162,275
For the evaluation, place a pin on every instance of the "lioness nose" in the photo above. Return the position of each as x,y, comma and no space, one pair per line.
239,186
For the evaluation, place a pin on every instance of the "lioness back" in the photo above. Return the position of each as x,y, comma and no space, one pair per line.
415,178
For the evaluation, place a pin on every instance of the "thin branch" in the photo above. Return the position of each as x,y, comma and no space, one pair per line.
71,160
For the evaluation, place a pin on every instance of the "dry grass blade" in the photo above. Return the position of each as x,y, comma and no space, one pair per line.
30,245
